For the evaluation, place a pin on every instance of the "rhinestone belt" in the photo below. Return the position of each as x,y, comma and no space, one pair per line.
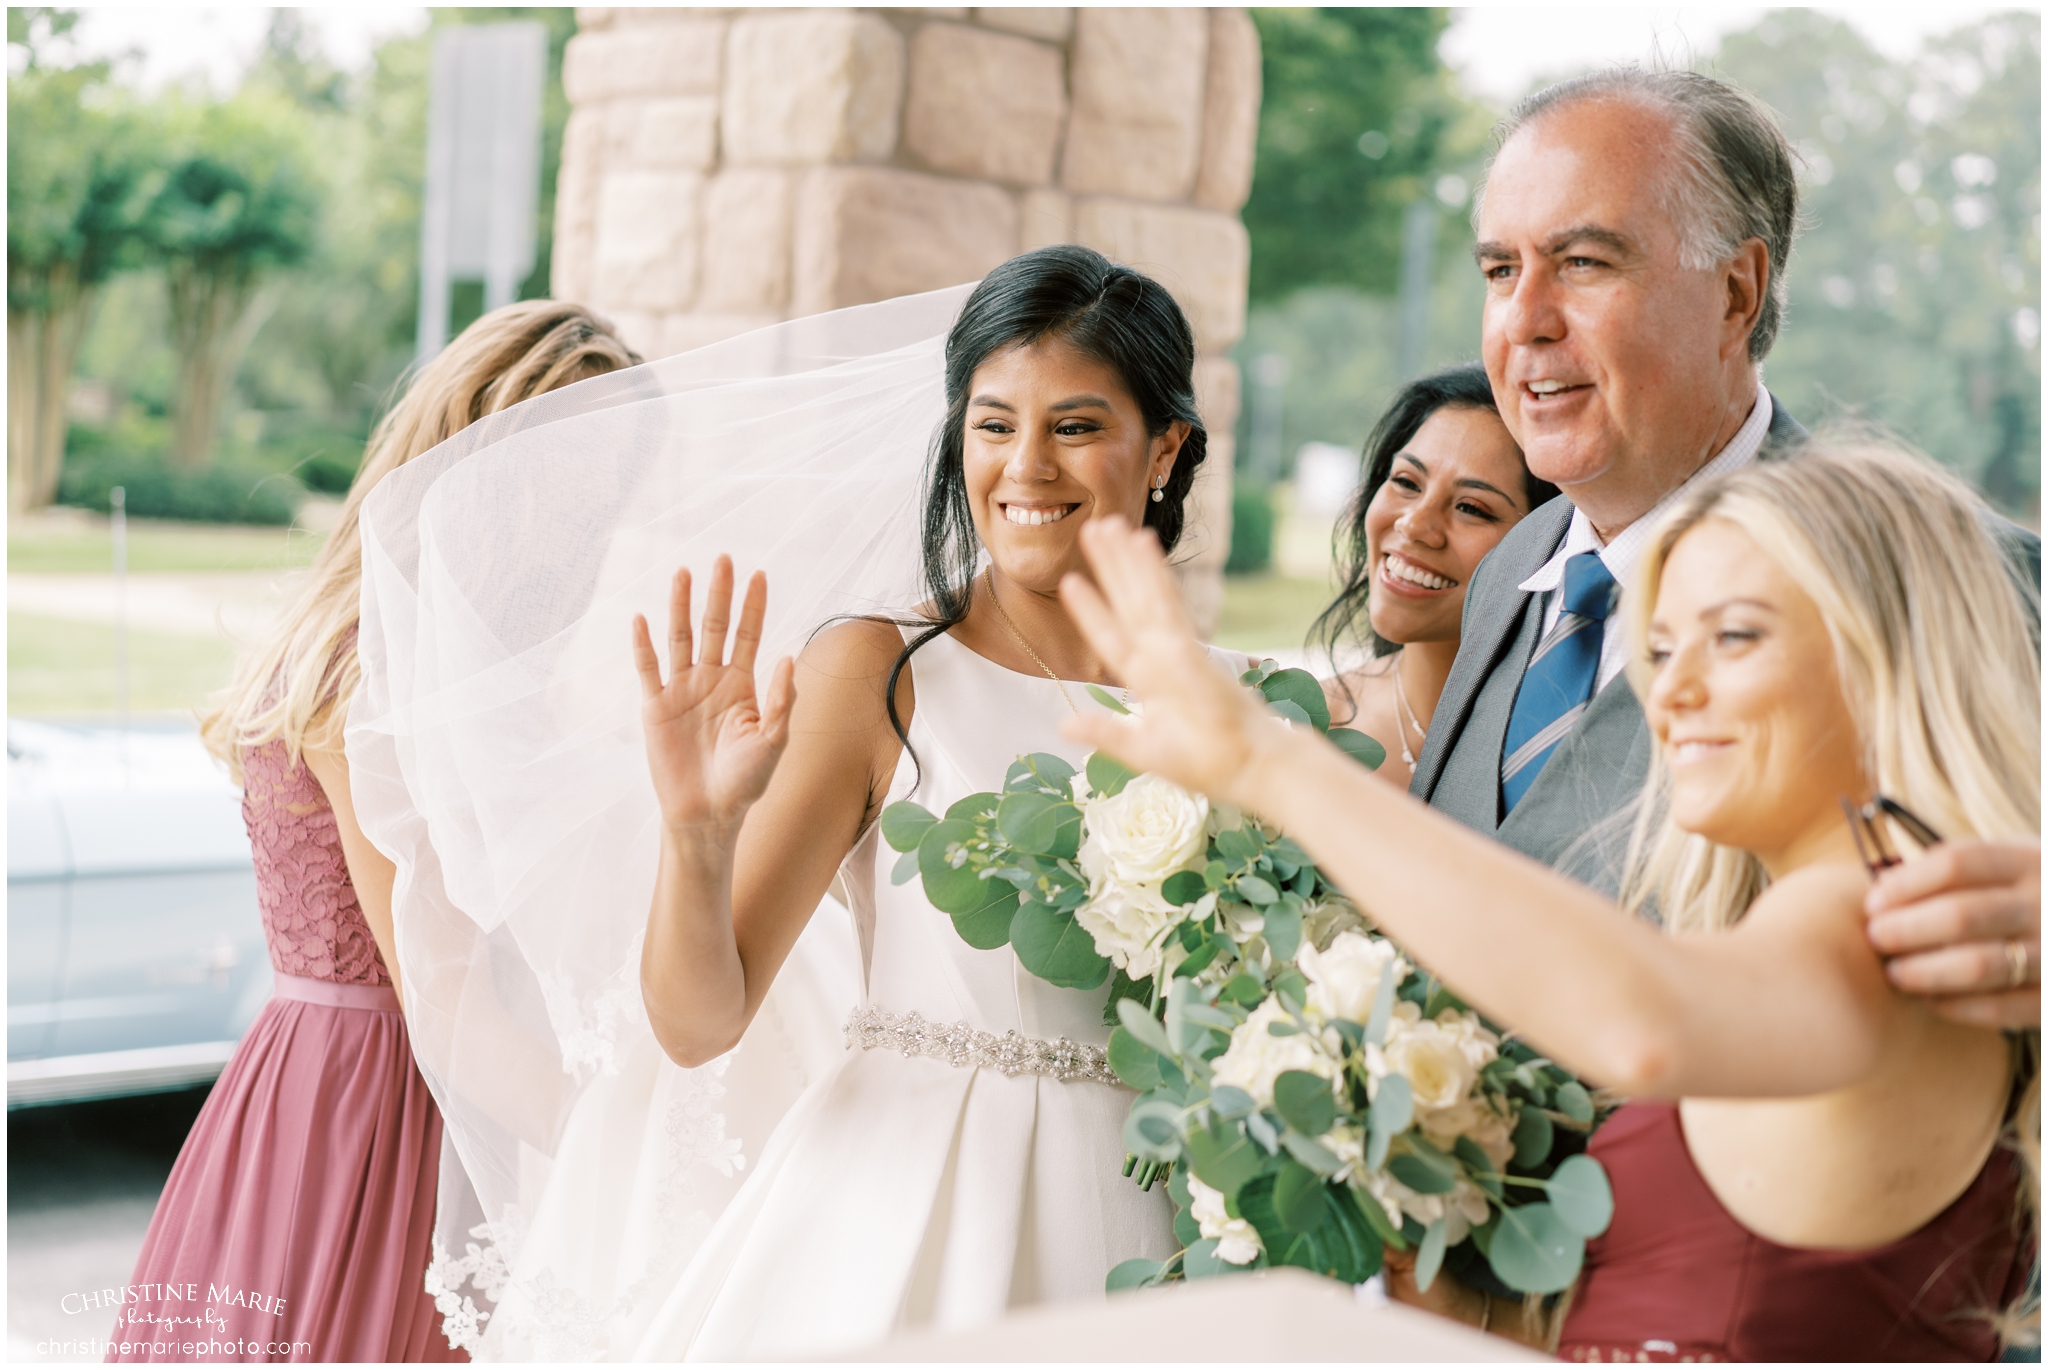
962,1044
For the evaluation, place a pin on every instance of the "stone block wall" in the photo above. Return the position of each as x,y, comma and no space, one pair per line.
727,168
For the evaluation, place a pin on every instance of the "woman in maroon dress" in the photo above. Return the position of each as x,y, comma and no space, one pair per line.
1815,1165
297,1222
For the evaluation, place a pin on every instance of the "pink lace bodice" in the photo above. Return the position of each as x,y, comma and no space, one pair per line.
310,915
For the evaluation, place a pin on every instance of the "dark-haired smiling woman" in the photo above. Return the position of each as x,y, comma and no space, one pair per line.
1443,484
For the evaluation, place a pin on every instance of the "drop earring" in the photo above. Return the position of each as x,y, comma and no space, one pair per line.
1158,489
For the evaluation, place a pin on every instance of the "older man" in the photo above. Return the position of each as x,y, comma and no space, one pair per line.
1633,234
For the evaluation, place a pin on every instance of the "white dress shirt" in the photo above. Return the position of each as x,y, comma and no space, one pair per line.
1621,555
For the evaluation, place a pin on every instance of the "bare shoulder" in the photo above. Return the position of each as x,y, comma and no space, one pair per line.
1825,893
843,674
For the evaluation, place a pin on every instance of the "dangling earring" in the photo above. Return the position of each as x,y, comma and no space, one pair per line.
1158,489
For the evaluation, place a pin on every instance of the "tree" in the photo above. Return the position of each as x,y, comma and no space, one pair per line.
1359,117
237,204
79,177
1915,291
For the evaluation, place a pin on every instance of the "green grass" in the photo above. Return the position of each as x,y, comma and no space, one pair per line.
1269,611
158,546
59,667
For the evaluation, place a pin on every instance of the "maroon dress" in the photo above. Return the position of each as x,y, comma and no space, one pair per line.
298,1221
1677,1278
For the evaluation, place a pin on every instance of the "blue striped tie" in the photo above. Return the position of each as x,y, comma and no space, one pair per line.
1560,679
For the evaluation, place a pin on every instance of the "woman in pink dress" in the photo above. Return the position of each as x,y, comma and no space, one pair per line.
297,1223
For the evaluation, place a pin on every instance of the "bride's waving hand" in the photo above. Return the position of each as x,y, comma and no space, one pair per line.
712,744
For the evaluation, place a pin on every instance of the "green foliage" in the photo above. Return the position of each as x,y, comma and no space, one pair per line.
81,174
218,494
1358,115
1251,531
238,197
1916,293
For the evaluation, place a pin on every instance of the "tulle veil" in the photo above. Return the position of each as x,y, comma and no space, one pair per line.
495,757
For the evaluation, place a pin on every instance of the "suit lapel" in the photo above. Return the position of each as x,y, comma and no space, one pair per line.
1493,618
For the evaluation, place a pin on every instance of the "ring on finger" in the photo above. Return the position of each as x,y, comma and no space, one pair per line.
2015,962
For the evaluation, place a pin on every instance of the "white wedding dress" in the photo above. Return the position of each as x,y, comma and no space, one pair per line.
959,1152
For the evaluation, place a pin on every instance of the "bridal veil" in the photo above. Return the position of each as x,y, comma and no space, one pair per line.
495,757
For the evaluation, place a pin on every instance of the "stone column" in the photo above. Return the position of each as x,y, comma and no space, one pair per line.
728,168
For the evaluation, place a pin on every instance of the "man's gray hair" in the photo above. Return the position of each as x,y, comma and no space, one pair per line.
1731,177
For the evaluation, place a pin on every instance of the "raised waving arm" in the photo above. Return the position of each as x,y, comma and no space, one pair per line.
1605,994
761,795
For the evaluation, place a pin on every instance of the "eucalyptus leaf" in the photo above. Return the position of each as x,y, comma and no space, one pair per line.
1479,1166
1304,691
1292,712
1312,1153
1263,1132
1136,1064
974,808
1375,1216
1207,1015
1186,1230
1139,1022
1153,1130
1201,1261
1298,1198
1243,989
1534,1252
1283,925
1224,1158
1107,776
988,927
1304,1099
1533,1136
1040,771
904,825
1421,1175
1031,820
1430,1258
1360,747
1581,1195
1393,1105
1107,700
1574,1103
1183,887
1231,1102
905,869
1056,948
1257,891
1132,1274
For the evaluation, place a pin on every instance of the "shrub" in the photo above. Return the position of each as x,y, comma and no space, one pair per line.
218,494
1251,532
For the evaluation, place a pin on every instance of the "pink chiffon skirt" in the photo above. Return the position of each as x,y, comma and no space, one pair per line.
298,1221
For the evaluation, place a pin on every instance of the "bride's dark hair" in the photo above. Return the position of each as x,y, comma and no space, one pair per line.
1108,313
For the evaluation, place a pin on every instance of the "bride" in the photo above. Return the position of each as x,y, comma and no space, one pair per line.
608,1077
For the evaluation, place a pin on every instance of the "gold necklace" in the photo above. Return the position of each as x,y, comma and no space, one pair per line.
1405,717
1018,638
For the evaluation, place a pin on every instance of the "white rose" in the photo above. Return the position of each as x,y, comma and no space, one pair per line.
1237,1241
1344,980
1256,1057
1439,1071
1129,923
1148,832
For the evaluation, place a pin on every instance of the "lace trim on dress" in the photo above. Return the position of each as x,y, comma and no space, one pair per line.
963,1044
538,1318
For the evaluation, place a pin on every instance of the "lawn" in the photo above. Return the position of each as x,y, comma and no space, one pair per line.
50,546
58,667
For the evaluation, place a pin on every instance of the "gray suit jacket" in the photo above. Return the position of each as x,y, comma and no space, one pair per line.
1576,816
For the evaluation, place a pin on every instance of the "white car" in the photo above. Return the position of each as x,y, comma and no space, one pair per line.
135,953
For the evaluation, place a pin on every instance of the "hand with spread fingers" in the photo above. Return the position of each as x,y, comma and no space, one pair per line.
1197,727
1962,925
712,745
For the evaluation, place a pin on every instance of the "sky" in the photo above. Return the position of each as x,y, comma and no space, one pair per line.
1500,51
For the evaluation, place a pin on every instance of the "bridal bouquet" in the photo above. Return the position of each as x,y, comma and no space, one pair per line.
1311,1097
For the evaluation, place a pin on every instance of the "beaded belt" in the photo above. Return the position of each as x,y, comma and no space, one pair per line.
962,1044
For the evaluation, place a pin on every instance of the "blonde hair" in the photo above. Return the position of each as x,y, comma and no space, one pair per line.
288,687
1937,657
